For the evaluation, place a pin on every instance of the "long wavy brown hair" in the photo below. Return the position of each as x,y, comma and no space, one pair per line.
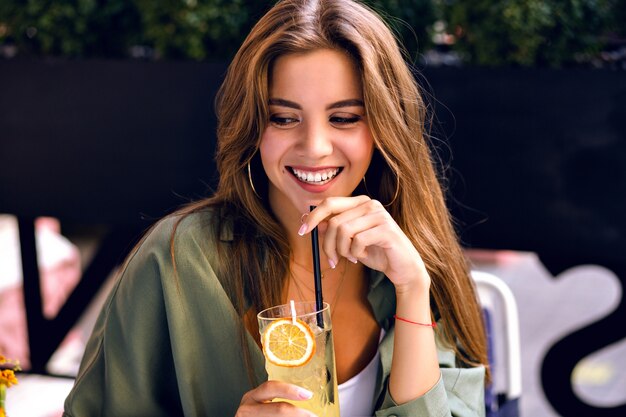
402,174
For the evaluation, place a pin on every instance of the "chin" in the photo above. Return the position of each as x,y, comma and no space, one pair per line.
305,206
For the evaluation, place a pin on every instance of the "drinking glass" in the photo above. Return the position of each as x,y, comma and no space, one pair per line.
318,375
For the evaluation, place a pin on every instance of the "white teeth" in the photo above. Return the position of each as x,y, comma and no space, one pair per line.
315,177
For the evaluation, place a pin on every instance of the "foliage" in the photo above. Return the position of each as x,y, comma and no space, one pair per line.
68,27
411,20
168,29
172,29
548,33
193,29
619,18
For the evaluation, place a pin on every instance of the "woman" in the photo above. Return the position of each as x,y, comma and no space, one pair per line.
318,108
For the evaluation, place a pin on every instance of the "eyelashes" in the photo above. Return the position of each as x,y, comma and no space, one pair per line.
339,121
345,120
283,122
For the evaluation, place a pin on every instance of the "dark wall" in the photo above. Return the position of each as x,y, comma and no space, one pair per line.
539,155
105,141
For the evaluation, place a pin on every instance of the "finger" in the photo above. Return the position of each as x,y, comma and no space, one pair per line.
270,390
347,225
339,230
379,235
350,243
328,207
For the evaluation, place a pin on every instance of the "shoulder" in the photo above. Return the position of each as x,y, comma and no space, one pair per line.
180,231
176,241
181,255
186,225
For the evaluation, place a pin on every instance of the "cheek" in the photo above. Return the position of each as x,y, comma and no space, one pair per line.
361,150
271,152
265,148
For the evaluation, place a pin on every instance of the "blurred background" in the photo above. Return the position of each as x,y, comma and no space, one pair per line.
107,124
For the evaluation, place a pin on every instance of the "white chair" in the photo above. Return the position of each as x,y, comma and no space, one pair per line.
502,322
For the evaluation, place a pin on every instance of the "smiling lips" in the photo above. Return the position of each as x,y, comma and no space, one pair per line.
315,177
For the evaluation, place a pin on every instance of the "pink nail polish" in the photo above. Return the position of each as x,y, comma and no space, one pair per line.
353,260
302,229
332,263
305,394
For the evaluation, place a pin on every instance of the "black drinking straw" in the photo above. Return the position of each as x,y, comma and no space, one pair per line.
317,275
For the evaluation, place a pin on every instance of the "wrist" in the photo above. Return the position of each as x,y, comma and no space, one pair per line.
413,304
432,324
413,291
414,281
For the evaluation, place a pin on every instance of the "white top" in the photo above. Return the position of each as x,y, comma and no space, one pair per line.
356,395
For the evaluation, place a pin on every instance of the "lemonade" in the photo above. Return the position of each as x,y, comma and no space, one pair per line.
317,373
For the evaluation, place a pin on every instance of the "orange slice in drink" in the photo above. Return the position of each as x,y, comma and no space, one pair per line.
288,343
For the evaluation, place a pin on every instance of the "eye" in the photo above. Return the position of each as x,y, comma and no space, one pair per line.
344,120
283,121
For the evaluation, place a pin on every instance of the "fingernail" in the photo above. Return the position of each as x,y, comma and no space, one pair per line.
353,260
304,394
302,229
332,263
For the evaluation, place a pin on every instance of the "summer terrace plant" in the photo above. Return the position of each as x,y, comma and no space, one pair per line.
172,29
540,33
68,28
8,368
412,21
162,29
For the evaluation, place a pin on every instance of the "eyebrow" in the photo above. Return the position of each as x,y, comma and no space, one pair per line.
343,103
346,103
284,103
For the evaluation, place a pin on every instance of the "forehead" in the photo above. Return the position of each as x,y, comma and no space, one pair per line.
322,74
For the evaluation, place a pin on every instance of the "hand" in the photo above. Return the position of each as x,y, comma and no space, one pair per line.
360,229
257,402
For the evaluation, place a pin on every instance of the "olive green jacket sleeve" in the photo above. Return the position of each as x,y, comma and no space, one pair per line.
169,343
166,345
459,392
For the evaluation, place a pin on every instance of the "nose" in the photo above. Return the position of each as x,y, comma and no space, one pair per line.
317,140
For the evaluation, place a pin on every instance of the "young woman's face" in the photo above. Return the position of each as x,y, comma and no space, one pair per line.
317,143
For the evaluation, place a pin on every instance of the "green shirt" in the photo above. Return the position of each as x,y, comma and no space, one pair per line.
167,347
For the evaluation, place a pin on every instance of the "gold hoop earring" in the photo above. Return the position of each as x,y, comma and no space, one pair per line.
251,183
395,195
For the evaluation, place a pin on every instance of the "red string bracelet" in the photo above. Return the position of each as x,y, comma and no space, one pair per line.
433,324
